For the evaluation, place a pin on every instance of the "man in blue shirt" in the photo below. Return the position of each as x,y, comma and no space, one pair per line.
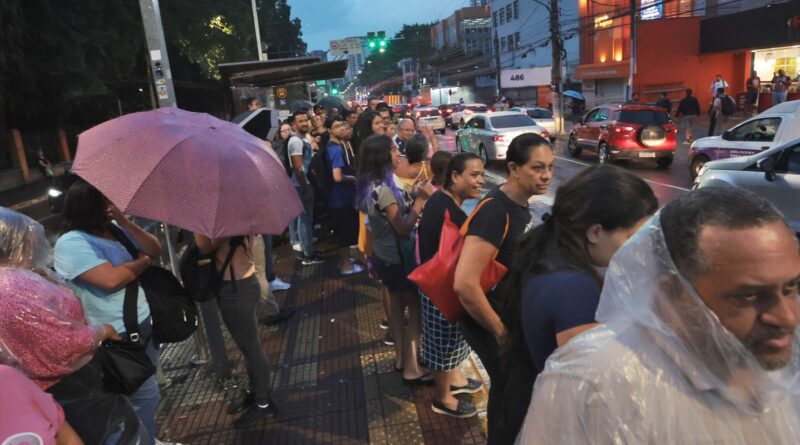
341,201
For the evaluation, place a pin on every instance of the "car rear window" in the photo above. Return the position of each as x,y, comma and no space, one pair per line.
643,117
477,108
540,114
429,112
511,121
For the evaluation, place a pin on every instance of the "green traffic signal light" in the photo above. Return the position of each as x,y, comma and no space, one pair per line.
383,43
372,44
334,91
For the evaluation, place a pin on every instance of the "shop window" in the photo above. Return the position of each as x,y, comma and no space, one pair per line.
788,65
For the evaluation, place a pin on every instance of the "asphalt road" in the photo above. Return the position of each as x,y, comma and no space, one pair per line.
666,183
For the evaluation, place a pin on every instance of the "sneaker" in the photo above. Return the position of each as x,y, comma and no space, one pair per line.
384,324
255,413
197,361
283,314
297,247
278,285
388,340
354,269
312,260
464,409
471,387
247,400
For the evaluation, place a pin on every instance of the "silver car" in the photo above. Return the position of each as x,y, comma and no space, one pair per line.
773,174
430,117
488,135
543,118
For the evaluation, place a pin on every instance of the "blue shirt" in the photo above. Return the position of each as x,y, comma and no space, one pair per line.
77,252
552,303
343,194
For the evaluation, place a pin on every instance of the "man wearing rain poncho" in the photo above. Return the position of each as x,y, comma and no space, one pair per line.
697,342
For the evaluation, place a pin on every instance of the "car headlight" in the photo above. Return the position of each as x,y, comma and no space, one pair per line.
54,193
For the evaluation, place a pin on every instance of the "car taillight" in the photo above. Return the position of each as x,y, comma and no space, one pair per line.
623,129
672,128
498,138
449,110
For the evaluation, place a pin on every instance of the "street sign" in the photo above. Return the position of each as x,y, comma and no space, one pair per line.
281,93
349,46
527,77
322,83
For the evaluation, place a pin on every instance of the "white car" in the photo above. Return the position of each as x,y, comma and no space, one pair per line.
488,135
773,127
465,112
773,173
543,118
430,117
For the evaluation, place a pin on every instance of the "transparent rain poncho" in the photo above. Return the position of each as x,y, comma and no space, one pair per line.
43,329
660,369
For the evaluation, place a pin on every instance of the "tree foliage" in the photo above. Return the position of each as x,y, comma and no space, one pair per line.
68,60
411,41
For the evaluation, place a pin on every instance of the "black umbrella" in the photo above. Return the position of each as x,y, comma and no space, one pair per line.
330,103
261,123
300,105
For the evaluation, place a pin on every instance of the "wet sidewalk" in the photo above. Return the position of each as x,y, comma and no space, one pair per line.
333,382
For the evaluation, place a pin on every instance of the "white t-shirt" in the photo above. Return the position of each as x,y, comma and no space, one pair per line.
717,84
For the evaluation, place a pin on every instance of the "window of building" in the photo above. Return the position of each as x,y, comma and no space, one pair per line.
511,44
516,9
502,16
516,40
494,18
503,44
509,15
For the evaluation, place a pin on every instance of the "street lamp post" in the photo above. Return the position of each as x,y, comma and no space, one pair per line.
261,54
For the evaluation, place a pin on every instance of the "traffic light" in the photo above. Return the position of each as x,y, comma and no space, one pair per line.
377,40
382,39
371,40
334,91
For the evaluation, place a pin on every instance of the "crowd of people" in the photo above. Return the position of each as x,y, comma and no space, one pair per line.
616,322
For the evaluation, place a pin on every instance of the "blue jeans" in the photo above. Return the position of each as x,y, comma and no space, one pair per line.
778,97
145,399
293,237
305,224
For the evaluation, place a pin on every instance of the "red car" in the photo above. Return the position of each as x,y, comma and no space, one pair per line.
626,131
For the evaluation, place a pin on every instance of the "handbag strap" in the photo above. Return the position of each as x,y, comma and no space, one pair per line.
130,304
233,244
465,226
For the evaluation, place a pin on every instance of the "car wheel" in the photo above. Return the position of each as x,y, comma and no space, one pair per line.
572,147
697,164
602,153
482,153
664,162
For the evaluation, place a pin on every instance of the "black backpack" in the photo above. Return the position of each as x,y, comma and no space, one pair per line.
728,105
282,150
174,313
320,175
199,271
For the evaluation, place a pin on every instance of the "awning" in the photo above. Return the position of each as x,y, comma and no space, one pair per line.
281,71
614,70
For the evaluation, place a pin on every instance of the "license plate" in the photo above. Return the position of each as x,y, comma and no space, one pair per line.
646,155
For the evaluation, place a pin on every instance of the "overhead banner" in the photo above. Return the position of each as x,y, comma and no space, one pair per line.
526,77
344,47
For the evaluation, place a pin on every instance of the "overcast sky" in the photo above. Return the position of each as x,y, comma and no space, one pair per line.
325,20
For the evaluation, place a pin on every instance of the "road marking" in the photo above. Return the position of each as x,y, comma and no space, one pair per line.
645,179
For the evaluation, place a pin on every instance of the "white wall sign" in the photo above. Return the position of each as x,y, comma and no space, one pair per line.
527,77
351,45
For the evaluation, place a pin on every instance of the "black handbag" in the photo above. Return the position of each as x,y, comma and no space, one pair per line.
174,314
126,365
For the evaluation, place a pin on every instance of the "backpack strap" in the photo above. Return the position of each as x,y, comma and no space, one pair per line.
233,244
465,227
130,304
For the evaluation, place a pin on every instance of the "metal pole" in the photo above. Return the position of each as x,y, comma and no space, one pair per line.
497,63
633,50
157,52
260,53
165,92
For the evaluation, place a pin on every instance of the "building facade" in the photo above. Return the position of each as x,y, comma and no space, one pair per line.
467,28
521,34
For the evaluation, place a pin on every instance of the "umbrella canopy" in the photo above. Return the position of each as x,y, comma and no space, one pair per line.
300,105
573,94
190,170
330,103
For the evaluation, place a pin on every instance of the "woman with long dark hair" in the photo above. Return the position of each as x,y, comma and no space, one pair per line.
392,222
530,170
99,268
369,123
553,289
443,346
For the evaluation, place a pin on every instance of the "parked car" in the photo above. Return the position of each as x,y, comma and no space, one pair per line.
543,118
447,112
625,131
430,117
488,135
773,173
775,126
464,112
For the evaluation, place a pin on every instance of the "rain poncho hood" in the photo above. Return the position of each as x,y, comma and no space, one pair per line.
660,369
43,329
